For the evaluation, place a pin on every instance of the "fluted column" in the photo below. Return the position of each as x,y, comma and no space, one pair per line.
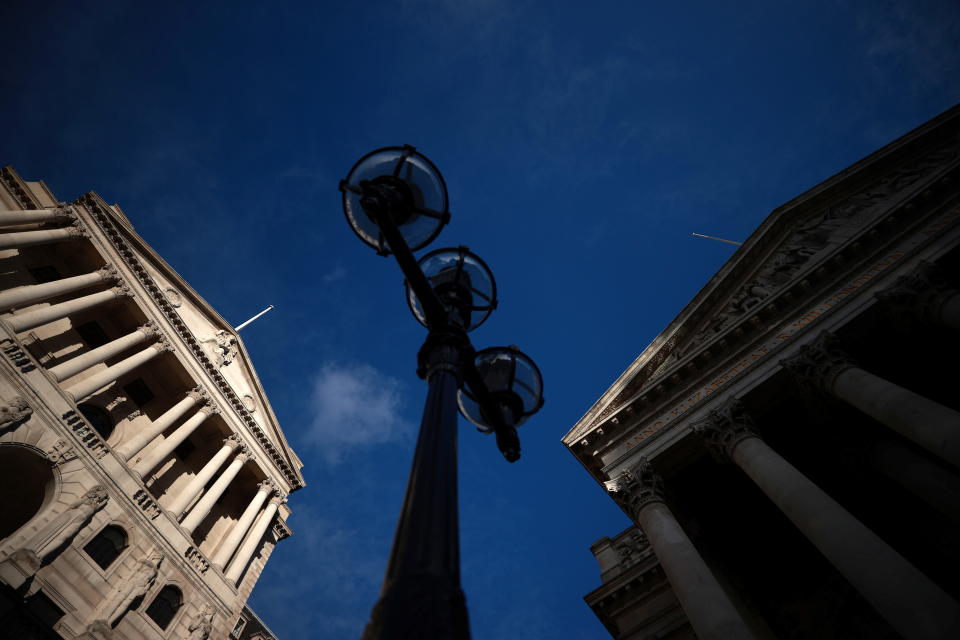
163,450
823,365
711,613
913,605
79,363
923,295
252,541
142,438
931,482
36,317
21,239
33,216
242,526
205,504
30,294
196,485
102,378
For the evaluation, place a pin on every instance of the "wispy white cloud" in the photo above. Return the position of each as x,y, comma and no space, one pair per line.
354,406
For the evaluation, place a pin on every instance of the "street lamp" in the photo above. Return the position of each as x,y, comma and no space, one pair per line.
396,202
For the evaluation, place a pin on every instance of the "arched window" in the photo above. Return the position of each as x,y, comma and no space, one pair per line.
107,545
165,606
98,419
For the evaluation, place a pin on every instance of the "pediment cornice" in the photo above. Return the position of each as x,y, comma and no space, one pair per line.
798,245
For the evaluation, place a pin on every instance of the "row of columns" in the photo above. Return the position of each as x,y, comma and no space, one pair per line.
913,605
243,539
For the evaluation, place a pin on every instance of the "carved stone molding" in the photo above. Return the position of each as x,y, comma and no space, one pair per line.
199,394
151,330
267,485
281,530
636,488
146,502
77,229
14,412
18,190
173,297
85,433
632,548
233,440
197,560
122,290
61,452
279,498
225,347
109,272
163,345
724,428
17,356
916,297
98,211
816,365
210,409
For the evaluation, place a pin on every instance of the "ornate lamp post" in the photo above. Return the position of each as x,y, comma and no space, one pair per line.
396,202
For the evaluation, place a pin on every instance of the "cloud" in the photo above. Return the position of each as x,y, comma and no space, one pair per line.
337,273
354,406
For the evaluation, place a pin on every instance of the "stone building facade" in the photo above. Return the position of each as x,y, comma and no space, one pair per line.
789,446
143,473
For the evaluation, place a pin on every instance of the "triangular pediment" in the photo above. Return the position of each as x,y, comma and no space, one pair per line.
794,243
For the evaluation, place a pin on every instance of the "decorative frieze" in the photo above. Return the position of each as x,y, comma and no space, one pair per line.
85,433
146,502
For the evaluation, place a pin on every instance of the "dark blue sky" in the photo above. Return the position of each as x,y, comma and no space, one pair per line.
582,143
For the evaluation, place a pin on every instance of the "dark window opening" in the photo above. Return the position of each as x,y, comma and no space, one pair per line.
164,606
184,449
138,392
44,608
238,628
107,545
43,274
93,334
98,419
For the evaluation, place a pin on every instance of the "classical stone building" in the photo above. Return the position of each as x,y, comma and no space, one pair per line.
143,474
789,446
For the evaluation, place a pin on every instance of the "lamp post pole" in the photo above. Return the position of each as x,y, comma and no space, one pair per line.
421,597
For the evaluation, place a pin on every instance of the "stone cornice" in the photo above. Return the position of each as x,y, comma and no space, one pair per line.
98,210
795,251
18,189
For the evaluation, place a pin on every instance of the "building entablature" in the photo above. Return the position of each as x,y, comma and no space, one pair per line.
841,237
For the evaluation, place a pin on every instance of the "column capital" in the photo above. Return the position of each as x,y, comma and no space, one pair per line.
637,487
724,428
209,408
279,499
917,296
268,485
233,441
817,364
122,290
199,394
150,329
108,272
162,344
243,453
77,229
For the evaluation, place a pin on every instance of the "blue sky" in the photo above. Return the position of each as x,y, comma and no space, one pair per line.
581,144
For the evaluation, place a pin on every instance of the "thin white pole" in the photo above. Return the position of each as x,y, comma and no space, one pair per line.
254,318
700,235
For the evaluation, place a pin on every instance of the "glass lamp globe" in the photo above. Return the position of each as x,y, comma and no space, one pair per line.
462,282
401,183
514,382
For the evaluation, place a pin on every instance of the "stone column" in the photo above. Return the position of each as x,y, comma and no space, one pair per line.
252,541
165,448
931,482
142,438
37,317
195,486
912,604
205,504
75,365
20,239
823,365
923,296
33,216
30,294
711,613
102,378
242,527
